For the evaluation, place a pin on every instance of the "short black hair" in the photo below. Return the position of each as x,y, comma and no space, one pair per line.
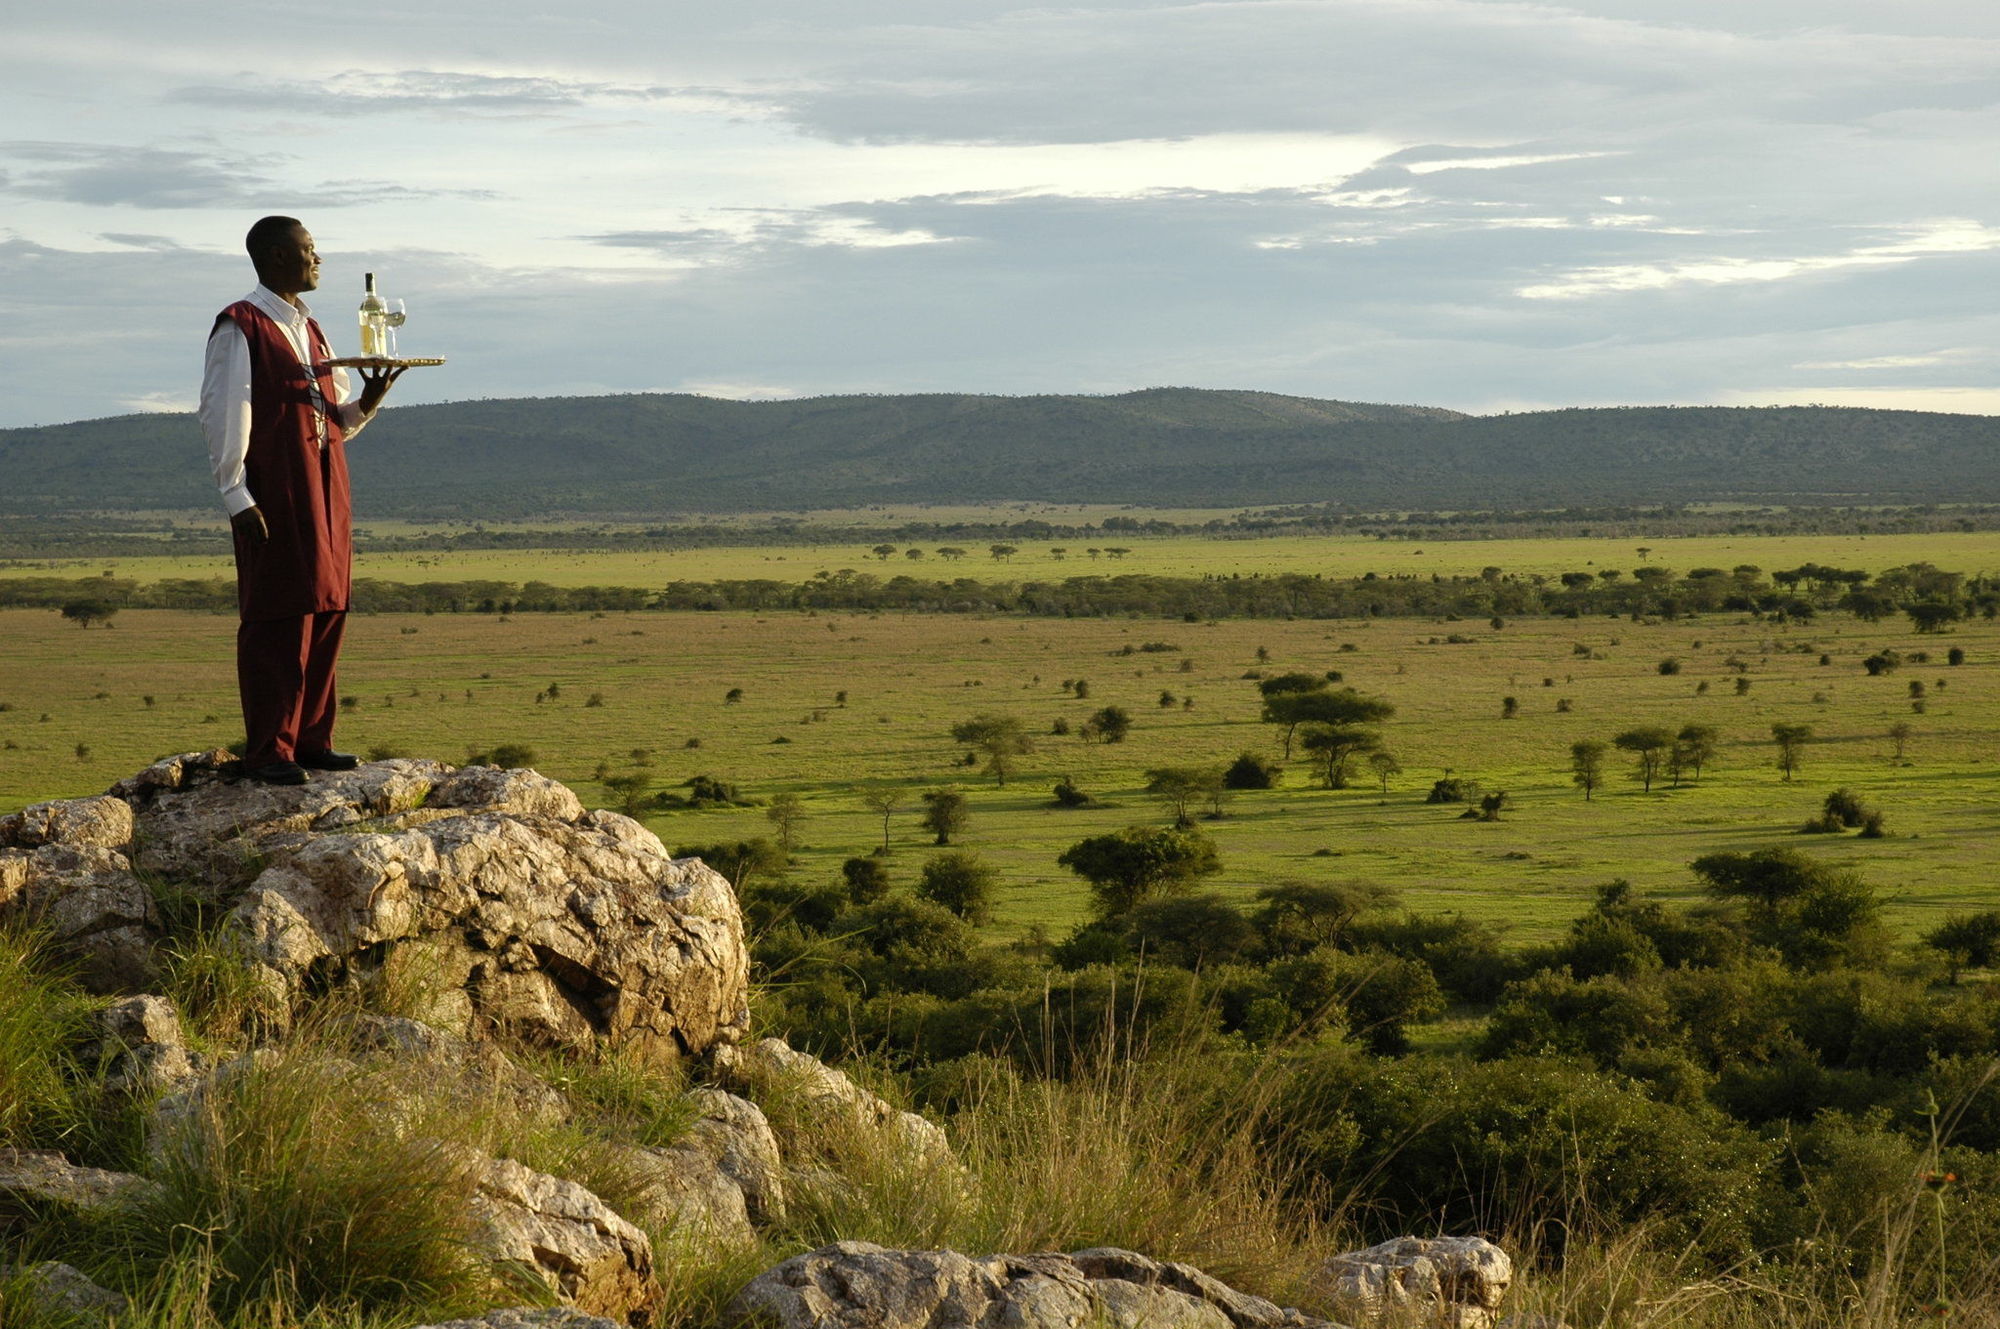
266,232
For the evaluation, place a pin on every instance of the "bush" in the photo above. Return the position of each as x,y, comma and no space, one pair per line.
1250,771
961,882
1067,795
1453,789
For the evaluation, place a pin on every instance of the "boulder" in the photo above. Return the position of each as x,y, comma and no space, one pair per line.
140,1047
718,1183
98,822
98,913
524,1317
566,1238
1452,1282
60,1293
771,1066
856,1285
33,1181
491,895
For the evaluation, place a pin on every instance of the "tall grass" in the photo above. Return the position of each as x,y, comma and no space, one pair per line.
43,1018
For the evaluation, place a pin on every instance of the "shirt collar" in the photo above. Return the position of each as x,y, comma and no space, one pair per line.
279,308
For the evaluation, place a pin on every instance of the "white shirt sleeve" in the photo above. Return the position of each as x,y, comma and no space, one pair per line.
225,412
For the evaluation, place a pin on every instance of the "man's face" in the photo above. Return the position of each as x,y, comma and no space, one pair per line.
292,265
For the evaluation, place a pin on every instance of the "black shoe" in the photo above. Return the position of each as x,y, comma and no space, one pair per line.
278,772
329,761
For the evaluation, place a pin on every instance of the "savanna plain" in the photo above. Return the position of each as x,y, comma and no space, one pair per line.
1758,1092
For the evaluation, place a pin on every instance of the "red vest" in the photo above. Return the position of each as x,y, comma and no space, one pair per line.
300,487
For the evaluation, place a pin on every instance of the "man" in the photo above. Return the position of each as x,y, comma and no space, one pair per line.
277,418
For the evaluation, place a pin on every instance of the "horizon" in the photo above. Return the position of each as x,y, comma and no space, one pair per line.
1480,205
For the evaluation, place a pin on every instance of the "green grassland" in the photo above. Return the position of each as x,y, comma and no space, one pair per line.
77,718
1168,556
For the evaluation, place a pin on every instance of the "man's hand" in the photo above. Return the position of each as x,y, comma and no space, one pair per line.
250,524
376,385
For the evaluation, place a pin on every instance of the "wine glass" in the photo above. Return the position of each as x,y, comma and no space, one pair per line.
398,311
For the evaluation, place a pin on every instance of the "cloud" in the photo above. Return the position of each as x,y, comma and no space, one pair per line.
451,93
1921,240
103,175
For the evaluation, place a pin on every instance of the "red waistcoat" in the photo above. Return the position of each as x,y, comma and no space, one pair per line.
301,488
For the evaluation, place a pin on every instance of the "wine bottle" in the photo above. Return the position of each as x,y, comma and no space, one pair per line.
374,322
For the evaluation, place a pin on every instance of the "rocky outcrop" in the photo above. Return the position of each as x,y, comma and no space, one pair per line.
524,1317
140,1048
720,1182
855,1285
492,896
1451,1282
59,1293
566,1238
769,1066
37,1181
97,913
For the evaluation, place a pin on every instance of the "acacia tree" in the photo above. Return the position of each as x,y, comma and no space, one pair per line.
85,612
883,801
1109,724
1791,739
960,881
1000,737
1136,864
1335,746
945,813
786,813
1334,707
1384,764
1694,747
1650,744
1586,764
1179,787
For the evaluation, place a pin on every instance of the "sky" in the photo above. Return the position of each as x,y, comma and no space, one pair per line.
1479,204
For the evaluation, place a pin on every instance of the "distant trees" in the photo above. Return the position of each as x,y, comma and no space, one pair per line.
1139,863
883,801
1334,747
1000,738
1109,724
1694,747
1383,764
85,612
1650,744
946,811
961,882
1335,708
1586,764
1179,788
787,813
1791,740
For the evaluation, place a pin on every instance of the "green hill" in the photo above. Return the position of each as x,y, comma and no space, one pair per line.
651,453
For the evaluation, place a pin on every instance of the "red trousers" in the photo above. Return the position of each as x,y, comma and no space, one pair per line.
284,670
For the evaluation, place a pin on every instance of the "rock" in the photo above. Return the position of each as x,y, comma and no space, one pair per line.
687,1195
718,1183
98,822
523,1317
855,1285
96,911
61,1292
140,1047
1453,1282
735,1133
493,894
33,1180
559,1232
483,1068
770,1065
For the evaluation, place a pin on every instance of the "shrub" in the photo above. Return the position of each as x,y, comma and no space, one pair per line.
961,882
1669,666
1250,771
1067,795
1453,789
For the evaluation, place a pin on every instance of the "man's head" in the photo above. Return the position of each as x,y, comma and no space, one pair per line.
282,250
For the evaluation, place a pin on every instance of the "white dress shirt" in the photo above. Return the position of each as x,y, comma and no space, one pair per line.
225,393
